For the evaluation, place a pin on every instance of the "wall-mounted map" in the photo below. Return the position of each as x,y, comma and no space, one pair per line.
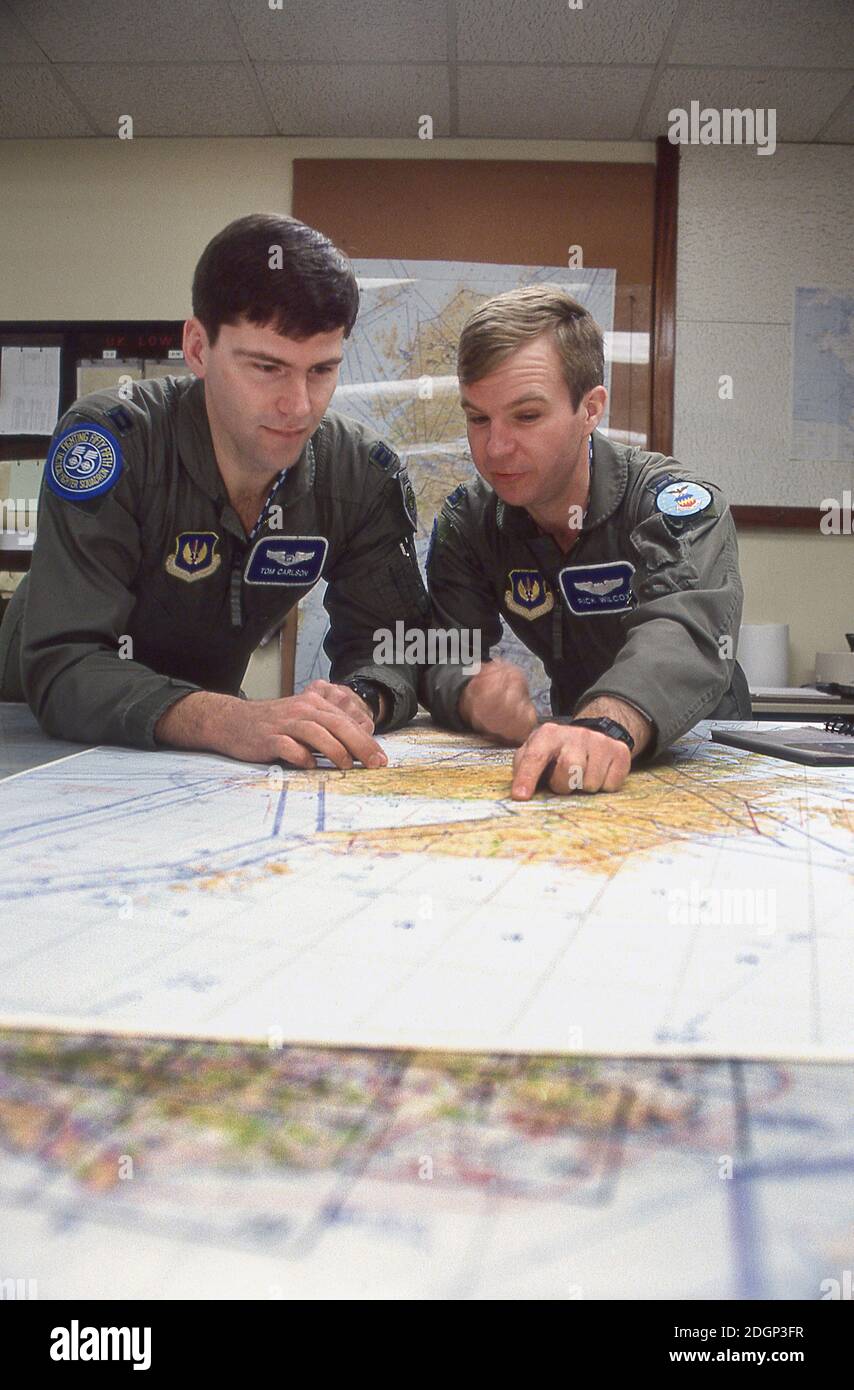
823,376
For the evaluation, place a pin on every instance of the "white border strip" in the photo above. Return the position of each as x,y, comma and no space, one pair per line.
37,767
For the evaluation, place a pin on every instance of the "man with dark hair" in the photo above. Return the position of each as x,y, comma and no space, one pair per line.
181,519
614,565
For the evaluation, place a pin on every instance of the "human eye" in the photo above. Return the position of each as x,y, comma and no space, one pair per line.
530,415
264,367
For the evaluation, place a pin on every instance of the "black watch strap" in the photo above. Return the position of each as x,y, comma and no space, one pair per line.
603,725
369,691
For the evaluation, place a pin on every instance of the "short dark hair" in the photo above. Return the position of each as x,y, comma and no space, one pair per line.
276,271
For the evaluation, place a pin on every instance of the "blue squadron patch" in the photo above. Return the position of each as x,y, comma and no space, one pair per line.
83,462
591,590
294,561
457,495
529,594
383,455
682,499
194,556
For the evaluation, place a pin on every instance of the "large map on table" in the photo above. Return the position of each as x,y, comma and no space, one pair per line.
706,909
399,379
140,1169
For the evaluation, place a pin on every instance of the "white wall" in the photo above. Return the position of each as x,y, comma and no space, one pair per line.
751,229
112,229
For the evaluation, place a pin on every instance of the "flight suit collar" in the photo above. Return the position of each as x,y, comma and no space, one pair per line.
199,459
607,490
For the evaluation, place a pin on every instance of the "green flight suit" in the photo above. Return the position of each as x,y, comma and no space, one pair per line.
636,609
137,539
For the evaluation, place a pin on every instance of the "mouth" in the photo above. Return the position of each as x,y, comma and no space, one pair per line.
284,434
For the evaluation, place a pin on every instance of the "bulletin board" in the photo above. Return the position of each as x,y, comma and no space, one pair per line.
510,212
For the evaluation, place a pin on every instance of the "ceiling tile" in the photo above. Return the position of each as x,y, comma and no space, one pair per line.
127,31
173,99
607,31
33,105
15,46
550,103
802,104
775,34
358,100
342,31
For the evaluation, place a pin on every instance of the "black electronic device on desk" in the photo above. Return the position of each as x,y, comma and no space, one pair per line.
832,746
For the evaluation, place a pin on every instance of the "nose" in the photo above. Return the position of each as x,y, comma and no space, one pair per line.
294,402
499,442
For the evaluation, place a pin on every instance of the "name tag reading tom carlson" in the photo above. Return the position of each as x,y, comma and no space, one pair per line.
286,560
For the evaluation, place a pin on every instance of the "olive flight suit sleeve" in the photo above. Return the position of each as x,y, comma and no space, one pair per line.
678,656
462,599
79,676
375,597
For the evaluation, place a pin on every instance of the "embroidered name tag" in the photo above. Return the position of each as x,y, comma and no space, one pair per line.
591,590
293,560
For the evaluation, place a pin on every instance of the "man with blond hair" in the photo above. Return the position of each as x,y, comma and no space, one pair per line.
613,564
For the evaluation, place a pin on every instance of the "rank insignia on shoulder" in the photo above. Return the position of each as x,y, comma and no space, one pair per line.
456,497
84,461
383,455
293,561
121,418
529,594
194,556
432,541
407,492
682,499
591,590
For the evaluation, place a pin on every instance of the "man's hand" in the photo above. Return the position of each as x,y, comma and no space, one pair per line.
584,760
325,719
497,702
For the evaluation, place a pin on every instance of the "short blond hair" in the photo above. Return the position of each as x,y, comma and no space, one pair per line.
508,321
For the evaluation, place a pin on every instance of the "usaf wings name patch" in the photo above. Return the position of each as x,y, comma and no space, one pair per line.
84,461
591,590
194,556
290,560
529,594
682,499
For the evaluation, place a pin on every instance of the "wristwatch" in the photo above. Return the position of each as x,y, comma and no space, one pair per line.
603,725
369,691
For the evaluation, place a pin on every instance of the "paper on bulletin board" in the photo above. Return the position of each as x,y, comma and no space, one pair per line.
29,390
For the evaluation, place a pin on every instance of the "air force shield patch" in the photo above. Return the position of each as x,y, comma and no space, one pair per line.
529,594
591,590
290,560
194,556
